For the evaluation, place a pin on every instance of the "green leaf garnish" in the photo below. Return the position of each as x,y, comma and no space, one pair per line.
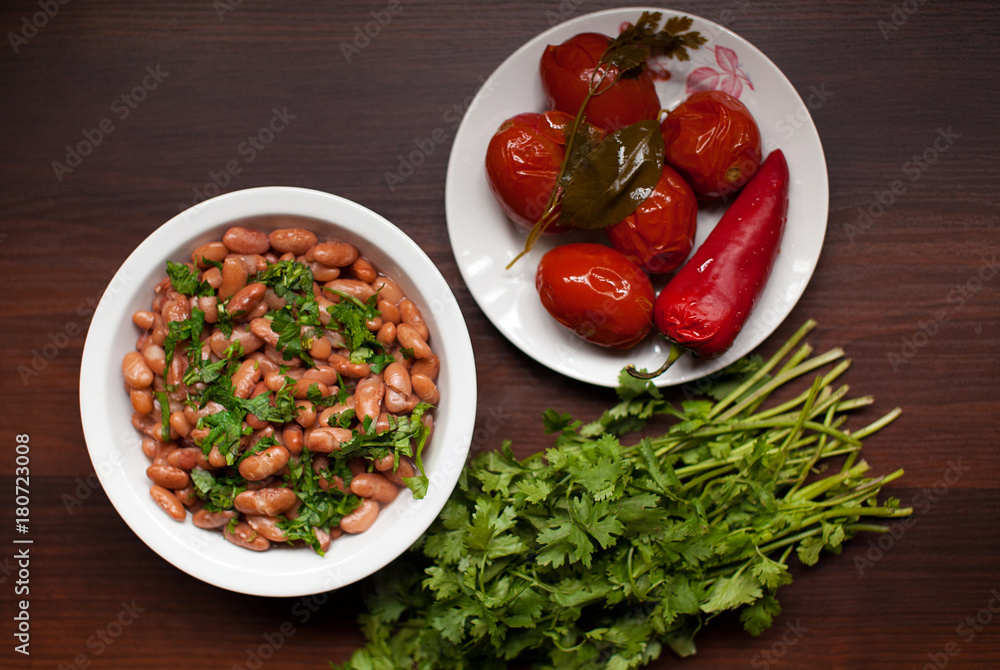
185,280
319,509
611,181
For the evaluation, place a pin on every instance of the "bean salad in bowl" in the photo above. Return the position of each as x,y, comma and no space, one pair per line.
298,382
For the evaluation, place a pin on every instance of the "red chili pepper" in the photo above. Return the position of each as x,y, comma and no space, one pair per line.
705,305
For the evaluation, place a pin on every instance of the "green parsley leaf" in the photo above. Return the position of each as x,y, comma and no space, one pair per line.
164,402
185,280
226,430
350,317
207,373
287,276
218,490
406,436
294,280
289,331
188,330
319,509
758,617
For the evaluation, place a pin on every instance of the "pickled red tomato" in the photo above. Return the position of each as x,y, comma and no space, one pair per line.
713,140
567,69
522,165
597,293
659,234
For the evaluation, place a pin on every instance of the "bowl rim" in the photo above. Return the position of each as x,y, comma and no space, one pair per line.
205,555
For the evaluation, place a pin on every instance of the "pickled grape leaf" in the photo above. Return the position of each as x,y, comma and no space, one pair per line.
578,146
615,178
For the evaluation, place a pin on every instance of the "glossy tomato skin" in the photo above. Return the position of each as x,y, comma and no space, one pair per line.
566,71
713,140
659,234
522,164
597,293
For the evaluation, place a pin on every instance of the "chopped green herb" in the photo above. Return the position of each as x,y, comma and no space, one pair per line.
294,281
406,436
207,373
319,509
189,330
227,427
261,444
226,430
217,490
350,316
185,280
342,419
289,330
287,276
161,397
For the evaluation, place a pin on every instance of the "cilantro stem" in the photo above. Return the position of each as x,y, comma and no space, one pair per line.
862,491
640,545
791,540
816,453
871,428
783,378
548,216
807,407
771,363
825,381
822,486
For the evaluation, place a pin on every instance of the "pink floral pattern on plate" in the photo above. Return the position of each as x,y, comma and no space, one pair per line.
729,78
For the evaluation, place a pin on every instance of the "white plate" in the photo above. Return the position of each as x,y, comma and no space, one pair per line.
114,444
484,241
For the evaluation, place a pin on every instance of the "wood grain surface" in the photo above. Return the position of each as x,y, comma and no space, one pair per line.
910,294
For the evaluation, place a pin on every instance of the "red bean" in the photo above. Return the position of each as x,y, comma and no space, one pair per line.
212,251
137,373
243,535
168,502
206,519
362,518
335,254
264,463
266,501
245,241
292,240
375,486
246,300
267,526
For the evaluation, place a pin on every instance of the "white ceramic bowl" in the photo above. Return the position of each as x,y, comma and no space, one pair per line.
114,444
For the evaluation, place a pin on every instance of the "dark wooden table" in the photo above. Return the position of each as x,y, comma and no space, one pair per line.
910,293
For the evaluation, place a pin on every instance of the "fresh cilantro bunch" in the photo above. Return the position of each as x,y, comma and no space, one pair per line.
601,551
